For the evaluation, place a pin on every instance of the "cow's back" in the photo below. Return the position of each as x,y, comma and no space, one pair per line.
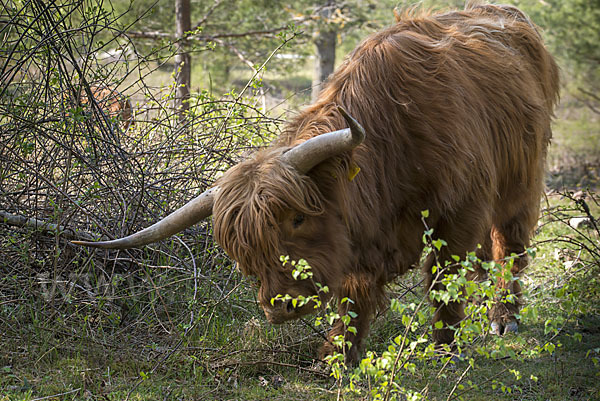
451,103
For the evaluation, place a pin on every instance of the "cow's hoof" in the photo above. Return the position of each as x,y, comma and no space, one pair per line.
501,329
511,327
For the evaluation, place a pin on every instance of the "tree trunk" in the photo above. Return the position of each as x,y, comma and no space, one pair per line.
182,59
325,41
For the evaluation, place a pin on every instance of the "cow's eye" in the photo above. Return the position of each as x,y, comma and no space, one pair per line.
298,220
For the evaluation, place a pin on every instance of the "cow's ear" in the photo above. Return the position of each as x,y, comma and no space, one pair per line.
340,166
308,154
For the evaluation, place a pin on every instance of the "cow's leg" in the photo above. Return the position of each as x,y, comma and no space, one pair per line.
462,233
449,314
508,238
361,296
500,315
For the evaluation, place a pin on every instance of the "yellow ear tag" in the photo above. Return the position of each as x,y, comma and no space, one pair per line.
354,170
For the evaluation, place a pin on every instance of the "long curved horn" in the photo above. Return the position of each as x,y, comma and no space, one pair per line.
182,218
313,151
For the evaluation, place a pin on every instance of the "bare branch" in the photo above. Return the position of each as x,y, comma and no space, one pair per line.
204,38
207,15
45,226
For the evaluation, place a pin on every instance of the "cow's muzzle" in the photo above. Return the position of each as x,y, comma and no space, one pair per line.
284,310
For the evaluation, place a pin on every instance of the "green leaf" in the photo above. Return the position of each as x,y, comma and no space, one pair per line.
439,243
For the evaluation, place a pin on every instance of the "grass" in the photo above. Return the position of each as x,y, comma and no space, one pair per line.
75,351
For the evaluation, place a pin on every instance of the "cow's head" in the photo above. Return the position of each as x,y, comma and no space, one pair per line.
266,207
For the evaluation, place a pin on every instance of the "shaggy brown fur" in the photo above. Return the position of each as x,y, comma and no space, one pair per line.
457,111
